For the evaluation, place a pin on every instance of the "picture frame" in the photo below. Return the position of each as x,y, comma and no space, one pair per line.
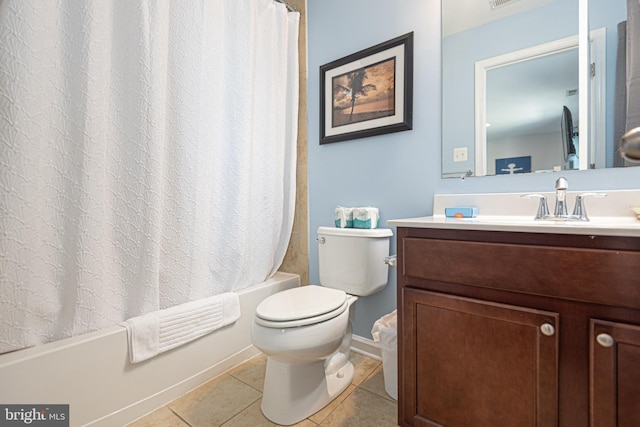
513,165
368,93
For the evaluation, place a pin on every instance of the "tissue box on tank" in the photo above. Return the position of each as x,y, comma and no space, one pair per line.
366,217
343,217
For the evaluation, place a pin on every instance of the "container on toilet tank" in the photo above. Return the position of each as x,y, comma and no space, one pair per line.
352,259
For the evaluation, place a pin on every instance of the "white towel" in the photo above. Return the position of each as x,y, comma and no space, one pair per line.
154,333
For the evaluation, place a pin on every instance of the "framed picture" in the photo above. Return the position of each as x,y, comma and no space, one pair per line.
368,93
512,165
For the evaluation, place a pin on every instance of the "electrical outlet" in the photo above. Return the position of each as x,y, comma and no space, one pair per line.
460,154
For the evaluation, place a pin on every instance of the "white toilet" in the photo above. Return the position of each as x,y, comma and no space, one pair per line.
306,331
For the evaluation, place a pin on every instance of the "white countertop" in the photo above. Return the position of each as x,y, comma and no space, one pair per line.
596,226
609,216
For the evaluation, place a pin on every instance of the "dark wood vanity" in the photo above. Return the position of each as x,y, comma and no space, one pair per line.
506,329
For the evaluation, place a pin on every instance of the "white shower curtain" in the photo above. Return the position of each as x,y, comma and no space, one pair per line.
147,157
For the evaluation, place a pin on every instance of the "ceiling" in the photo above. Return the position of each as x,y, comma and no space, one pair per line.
461,15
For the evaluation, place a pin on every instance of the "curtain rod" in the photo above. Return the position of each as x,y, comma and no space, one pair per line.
288,6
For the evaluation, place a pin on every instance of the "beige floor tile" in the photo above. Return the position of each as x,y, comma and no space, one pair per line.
324,412
215,402
305,423
363,409
160,417
375,384
363,365
234,400
252,371
252,416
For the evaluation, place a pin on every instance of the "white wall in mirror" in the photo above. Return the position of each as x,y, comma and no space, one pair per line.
533,23
519,98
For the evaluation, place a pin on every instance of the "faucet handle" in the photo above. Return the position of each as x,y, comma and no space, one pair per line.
543,208
579,210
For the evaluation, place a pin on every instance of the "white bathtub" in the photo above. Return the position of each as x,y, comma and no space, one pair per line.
92,372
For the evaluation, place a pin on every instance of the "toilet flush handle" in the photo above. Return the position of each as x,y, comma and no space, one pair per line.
321,240
391,260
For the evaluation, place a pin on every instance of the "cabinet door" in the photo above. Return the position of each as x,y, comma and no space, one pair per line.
615,374
468,362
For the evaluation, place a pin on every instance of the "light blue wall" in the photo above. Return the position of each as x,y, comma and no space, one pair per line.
399,172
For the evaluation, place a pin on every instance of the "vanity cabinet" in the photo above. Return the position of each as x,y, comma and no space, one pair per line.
486,355
615,374
517,329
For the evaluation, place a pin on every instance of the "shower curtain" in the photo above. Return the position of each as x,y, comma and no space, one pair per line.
147,157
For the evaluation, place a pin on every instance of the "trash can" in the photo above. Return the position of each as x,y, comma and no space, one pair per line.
385,332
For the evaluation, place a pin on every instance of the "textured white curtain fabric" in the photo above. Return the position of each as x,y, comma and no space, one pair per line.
147,157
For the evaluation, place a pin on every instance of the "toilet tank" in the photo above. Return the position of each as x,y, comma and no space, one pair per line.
352,259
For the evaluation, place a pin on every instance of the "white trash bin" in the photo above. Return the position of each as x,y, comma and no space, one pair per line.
385,332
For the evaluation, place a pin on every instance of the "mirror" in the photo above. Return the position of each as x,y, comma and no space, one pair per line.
509,69
538,134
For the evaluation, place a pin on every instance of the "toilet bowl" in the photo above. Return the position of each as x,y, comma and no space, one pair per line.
307,365
306,332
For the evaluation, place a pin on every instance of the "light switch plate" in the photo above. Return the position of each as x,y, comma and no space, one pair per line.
460,154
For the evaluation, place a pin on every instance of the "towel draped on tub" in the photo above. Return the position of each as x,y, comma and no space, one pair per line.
159,331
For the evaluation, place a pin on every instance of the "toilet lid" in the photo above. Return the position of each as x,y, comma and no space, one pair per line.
301,303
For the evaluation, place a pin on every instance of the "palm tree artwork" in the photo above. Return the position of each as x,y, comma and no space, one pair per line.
365,93
356,87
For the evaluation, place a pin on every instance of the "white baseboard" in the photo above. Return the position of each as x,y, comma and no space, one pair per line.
366,346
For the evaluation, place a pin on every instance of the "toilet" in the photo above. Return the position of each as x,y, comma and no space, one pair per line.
306,331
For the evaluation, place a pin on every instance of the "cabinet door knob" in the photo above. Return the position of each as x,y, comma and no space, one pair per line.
605,340
547,329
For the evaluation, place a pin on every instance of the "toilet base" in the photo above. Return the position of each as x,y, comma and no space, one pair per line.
294,392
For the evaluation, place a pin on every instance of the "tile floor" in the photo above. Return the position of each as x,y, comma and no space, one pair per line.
233,400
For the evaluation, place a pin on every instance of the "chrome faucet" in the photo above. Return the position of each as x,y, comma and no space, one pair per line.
561,193
560,211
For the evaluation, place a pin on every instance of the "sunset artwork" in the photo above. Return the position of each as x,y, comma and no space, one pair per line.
364,94
368,93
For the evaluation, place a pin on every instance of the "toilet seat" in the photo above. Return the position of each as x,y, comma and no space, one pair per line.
301,306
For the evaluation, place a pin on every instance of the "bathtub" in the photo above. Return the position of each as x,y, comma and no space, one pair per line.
92,372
